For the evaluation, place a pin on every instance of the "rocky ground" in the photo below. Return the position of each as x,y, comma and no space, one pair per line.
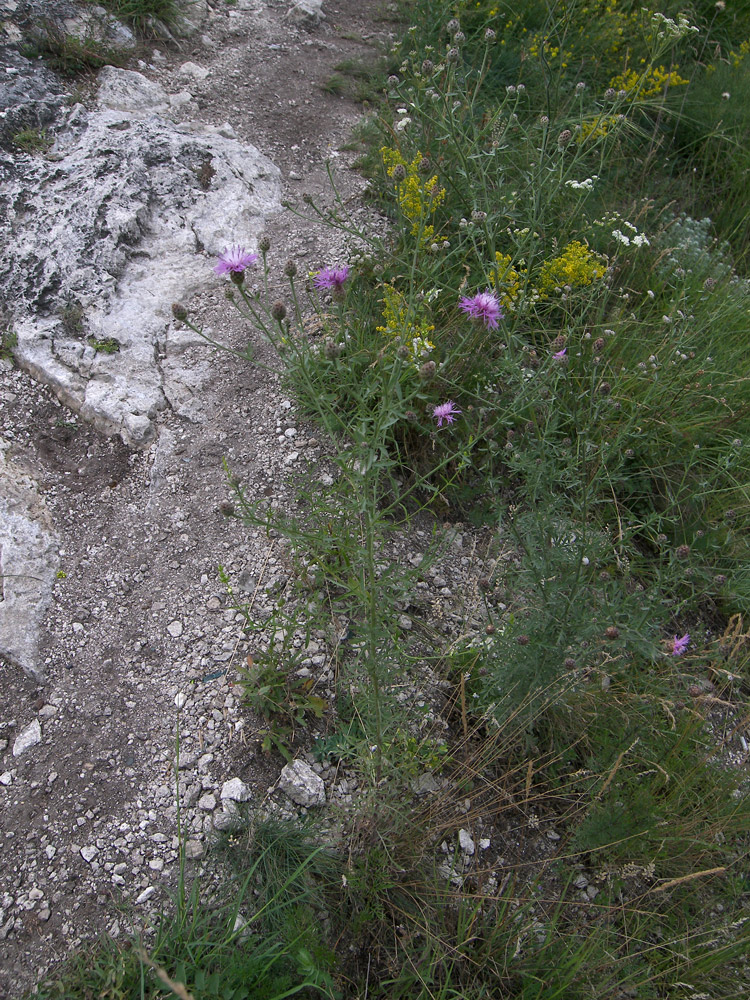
111,598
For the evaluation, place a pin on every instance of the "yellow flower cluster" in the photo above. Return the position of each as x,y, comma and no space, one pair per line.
577,266
399,322
417,199
595,128
656,81
742,53
511,281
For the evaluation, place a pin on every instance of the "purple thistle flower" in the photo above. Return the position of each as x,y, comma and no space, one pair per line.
332,278
560,354
446,411
236,260
483,306
679,645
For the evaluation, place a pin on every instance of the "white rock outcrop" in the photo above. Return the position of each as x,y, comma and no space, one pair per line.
124,216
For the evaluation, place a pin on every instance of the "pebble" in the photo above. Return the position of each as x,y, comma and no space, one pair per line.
466,842
207,802
89,853
236,790
27,738
5,778
175,629
193,849
145,895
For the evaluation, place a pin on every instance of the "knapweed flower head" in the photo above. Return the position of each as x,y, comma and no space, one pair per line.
331,278
484,306
235,260
560,355
447,412
680,644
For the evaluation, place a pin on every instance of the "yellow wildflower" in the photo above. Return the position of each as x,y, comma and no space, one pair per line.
577,266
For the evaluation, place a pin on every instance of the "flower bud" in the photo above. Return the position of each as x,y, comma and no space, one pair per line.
290,269
264,244
179,312
278,311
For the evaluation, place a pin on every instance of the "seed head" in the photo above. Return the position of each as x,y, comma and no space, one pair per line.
278,311
264,244
459,37
427,371
612,632
179,312
427,67
425,165
393,81
489,629
599,345
569,663
564,137
399,173
522,640
605,388
290,269
682,551
453,26
720,580
489,35
452,54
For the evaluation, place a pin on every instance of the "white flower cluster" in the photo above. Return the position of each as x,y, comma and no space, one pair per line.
635,238
587,185
673,30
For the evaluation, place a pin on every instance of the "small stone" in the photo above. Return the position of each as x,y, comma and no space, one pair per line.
465,842
27,738
405,623
5,778
484,843
302,784
175,629
145,895
156,864
193,849
89,853
552,835
47,711
213,604
236,790
193,71
207,802
425,784
50,851
44,914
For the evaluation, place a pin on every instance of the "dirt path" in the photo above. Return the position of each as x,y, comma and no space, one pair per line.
139,622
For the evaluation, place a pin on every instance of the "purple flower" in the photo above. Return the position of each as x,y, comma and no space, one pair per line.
679,645
483,306
332,278
560,354
235,261
445,411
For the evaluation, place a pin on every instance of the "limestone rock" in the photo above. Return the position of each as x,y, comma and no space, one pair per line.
31,97
28,565
306,13
126,90
302,785
27,738
122,218
235,790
